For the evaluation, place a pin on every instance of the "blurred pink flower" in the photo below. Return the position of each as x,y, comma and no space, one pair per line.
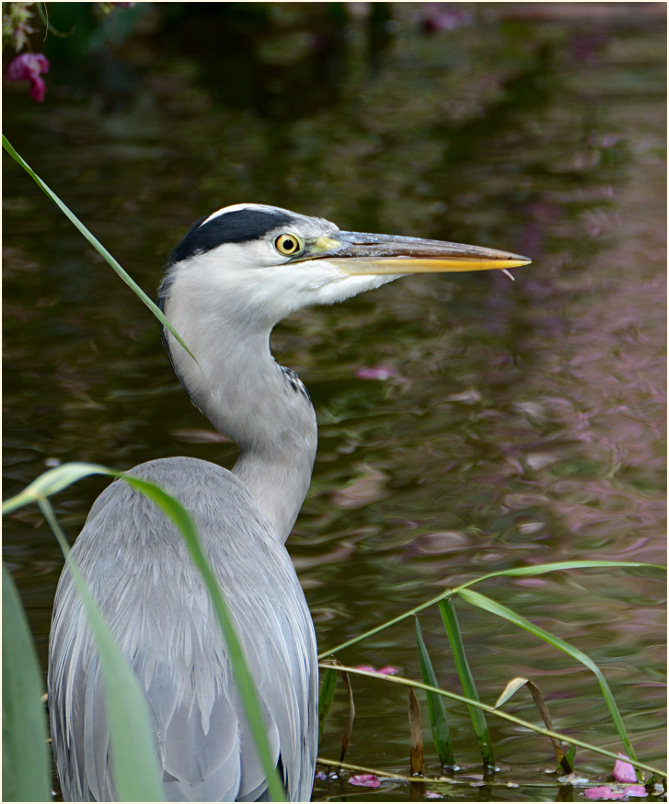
375,373
28,67
623,771
365,780
388,670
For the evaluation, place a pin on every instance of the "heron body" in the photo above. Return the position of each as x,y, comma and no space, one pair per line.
235,274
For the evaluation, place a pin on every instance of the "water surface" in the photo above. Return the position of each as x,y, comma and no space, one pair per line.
521,422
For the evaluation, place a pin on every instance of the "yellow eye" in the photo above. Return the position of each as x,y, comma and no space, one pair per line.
288,244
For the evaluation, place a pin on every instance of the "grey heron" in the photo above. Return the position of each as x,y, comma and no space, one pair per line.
235,274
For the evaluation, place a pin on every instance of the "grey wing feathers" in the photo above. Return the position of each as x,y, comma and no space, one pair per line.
155,603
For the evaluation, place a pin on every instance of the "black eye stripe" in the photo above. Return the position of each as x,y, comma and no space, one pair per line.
238,226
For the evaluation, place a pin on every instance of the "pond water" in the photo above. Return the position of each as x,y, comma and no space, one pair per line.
518,423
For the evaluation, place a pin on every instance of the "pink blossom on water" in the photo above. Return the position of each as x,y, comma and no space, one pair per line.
375,373
365,780
29,67
616,793
623,771
603,793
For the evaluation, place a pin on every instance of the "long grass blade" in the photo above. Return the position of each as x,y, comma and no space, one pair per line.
25,758
435,706
535,569
97,245
134,759
325,699
351,715
483,602
479,723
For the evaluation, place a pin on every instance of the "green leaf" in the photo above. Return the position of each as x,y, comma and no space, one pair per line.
97,245
435,706
483,602
26,771
54,481
467,680
328,686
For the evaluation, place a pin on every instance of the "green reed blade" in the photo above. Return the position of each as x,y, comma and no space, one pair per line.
535,569
483,602
435,706
467,680
26,770
328,686
97,245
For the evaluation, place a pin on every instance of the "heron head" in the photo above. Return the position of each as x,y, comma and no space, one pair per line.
265,262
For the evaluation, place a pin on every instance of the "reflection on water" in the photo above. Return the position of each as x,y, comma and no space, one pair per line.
515,422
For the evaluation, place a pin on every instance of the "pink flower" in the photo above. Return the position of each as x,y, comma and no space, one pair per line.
28,67
623,771
365,780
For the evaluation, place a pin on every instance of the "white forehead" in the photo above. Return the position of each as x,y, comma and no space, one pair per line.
257,207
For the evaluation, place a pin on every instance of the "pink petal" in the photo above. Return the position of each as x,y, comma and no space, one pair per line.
37,89
366,667
27,66
636,791
375,373
623,771
365,780
432,794
603,793
389,670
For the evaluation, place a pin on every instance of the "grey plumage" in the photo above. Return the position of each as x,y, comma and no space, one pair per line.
234,275
159,611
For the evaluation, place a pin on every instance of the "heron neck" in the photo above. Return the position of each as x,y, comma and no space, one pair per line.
264,408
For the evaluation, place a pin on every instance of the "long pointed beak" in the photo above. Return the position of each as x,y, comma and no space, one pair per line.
362,253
